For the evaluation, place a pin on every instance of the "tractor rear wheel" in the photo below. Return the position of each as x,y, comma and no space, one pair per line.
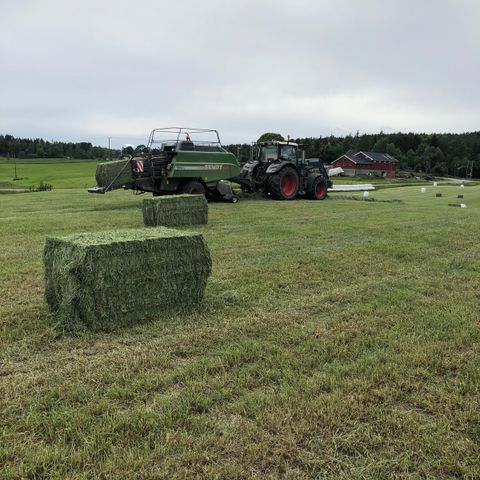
319,188
283,185
192,188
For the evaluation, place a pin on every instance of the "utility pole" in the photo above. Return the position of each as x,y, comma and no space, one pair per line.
109,150
15,167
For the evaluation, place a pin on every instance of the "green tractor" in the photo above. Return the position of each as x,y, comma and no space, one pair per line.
280,170
175,160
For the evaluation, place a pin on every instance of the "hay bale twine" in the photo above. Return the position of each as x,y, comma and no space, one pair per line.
107,173
175,210
121,277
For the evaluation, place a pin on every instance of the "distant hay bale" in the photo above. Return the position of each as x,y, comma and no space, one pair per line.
175,210
107,172
121,277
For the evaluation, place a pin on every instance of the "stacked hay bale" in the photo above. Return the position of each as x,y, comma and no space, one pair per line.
124,276
107,173
175,210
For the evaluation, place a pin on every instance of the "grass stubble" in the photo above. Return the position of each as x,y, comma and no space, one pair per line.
336,340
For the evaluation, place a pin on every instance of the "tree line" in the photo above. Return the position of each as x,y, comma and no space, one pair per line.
437,153
26,148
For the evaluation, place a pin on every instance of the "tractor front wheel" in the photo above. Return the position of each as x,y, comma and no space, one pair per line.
192,188
318,190
283,185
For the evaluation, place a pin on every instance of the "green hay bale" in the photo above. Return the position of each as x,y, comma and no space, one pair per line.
175,210
121,277
107,172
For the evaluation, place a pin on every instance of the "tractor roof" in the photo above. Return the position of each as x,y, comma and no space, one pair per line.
278,142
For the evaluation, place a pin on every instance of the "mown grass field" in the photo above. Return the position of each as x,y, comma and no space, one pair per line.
337,339
59,174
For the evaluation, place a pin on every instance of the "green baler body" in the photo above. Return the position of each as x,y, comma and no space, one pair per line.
208,166
167,170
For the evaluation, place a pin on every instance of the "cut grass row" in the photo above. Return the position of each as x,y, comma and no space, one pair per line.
337,339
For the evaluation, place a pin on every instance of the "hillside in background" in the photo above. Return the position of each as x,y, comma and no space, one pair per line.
439,154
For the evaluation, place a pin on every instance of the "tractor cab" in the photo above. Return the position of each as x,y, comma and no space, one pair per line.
268,152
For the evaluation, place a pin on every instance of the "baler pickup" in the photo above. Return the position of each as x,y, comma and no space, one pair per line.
112,175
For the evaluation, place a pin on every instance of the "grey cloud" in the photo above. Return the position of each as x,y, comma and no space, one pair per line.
87,70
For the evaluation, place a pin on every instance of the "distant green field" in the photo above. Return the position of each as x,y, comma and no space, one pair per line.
60,174
30,161
338,339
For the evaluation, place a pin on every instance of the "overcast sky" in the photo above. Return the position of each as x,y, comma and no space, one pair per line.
86,70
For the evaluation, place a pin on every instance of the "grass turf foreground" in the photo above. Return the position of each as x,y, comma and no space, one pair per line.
120,277
344,347
175,210
107,172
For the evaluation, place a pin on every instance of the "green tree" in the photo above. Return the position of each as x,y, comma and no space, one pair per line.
128,150
392,150
266,137
381,145
440,169
40,151
411,159
365,143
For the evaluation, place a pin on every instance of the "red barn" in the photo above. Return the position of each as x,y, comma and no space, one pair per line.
367,163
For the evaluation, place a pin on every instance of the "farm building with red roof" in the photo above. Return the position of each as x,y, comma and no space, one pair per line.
367,163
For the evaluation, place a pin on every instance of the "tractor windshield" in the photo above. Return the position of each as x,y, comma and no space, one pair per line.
269,153
288,152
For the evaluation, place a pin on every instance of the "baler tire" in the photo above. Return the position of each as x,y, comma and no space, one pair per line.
192,188
283,185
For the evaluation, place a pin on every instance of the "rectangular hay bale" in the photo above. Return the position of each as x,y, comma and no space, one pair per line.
175,210
121,277
108,171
